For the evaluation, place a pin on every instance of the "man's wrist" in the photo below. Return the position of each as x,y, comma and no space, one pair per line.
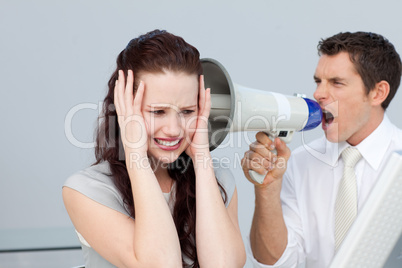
273,188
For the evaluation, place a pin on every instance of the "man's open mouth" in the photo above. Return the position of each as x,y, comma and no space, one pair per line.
328,117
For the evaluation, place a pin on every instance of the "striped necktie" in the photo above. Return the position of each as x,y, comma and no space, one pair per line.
346,200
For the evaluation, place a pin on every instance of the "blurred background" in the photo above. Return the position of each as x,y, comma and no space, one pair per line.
57,56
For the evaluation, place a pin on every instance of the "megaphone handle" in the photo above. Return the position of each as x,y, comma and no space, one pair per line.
256,176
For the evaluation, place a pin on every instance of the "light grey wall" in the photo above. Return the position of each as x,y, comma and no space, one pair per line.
55,55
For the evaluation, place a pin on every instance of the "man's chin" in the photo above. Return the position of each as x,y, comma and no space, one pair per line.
331,137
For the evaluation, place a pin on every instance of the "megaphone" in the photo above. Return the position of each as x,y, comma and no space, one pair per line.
237,108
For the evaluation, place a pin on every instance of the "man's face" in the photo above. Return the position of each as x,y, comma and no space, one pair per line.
341,94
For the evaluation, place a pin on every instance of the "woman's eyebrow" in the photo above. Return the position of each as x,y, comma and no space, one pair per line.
164,106
189,107
156,106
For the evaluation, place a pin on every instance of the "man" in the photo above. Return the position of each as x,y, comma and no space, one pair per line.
298,212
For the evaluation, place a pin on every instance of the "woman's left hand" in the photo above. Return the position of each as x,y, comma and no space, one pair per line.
199,145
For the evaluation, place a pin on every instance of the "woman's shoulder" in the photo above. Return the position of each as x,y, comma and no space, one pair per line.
98,174
96,182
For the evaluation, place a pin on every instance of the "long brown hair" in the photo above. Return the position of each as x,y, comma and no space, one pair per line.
154,52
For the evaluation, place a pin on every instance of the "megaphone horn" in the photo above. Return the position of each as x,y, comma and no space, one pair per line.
238,108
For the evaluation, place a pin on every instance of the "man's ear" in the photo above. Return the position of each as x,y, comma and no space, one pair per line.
379,93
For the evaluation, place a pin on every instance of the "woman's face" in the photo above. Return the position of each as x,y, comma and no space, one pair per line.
170,109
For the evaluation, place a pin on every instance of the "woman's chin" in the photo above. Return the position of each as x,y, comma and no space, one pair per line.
164,159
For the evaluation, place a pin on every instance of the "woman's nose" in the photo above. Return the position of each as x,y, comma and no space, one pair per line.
173,125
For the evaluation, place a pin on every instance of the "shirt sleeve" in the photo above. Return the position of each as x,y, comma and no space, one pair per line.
95,183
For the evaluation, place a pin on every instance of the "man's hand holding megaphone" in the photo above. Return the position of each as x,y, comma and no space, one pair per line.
266,157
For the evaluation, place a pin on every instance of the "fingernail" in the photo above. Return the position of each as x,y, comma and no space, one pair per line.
272,147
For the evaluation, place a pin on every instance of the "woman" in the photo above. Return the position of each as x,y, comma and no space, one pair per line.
152,199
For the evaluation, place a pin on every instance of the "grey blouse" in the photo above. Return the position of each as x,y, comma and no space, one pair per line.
96,183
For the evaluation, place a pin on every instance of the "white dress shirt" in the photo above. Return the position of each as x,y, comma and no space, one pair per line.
310,187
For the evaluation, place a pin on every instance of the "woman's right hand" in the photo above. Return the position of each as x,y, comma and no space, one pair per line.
133,129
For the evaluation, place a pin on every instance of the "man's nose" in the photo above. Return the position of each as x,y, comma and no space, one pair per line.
321,92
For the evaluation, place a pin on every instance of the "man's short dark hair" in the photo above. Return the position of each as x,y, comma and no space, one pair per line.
373,56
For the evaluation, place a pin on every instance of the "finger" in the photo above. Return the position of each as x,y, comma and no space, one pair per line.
255,145
139,95
207,103
251,165
262,150
128,93
263,138
202,119
257,167
120,93
257,158
282,149
201,94
115,97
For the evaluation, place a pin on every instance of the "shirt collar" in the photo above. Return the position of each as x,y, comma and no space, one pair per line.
372,148
326,151
336,150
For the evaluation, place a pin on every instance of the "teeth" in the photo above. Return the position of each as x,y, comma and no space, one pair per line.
167,143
